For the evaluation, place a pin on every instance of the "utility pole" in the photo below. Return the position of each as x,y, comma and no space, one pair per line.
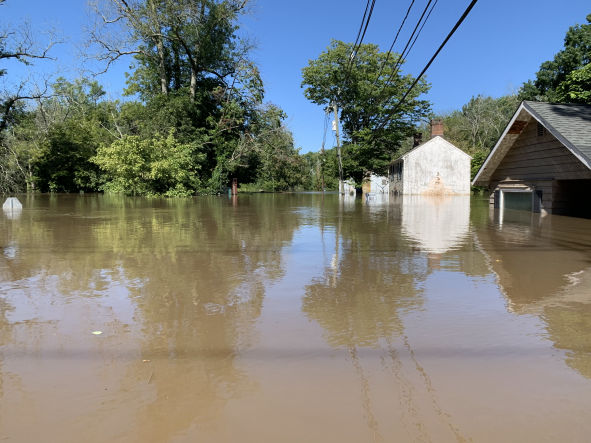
326,111
336,122
322,166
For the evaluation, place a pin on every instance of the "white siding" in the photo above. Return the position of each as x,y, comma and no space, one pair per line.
436,168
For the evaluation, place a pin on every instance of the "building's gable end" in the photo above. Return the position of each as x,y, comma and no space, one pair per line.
524,114
436,142
496,155
535,156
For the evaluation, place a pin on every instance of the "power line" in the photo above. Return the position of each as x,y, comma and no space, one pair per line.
360,36
454,29
404,52
394,42
422,26
362,22
373,3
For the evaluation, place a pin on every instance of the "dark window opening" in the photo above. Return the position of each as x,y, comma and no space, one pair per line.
396,171
541,130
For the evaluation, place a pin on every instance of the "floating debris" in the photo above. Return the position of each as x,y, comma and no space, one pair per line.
12,203
214,308
97,332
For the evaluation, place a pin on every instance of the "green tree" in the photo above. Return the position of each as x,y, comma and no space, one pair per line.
575,55
70,126
191,72
368,93
577,87
268,152
160,165
17,43
479,124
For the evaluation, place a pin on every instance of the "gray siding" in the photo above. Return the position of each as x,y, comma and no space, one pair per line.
535,157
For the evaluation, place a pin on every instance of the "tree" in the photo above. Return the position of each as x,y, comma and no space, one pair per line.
575,55
479,124
577,87
278,166
17,44
160,165
191,73
368,91
176,44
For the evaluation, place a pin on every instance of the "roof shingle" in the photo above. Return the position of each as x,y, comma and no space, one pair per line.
571,121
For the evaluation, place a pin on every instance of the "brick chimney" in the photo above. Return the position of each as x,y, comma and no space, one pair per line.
436,128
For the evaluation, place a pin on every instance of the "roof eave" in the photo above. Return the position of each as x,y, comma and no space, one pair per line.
475,181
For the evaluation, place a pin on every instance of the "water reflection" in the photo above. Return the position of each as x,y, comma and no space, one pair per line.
437,224
363,298
175,287
12,213
543,266
291,318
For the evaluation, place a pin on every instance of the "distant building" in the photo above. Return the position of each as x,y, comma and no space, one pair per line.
435,167
542,162
348,187
375,184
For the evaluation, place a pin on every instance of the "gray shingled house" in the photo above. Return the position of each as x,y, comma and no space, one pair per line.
542,162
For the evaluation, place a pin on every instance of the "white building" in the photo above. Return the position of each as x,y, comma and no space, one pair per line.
435,167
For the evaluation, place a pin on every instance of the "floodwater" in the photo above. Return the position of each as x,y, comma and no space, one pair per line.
292,318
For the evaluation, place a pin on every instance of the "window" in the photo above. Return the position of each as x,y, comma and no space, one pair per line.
397,171
541,130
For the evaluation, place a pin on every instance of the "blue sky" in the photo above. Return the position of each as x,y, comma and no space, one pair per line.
500,45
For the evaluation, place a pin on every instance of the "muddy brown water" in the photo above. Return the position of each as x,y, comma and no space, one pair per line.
292,318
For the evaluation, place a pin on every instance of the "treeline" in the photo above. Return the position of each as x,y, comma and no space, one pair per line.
195,115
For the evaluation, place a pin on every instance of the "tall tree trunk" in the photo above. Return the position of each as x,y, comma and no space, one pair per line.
162,66
193,90
160,49
176,67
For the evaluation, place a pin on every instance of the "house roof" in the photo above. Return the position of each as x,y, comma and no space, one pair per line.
573,122
568,123
435,139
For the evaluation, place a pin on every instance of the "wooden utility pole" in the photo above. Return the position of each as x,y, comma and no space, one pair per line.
322,149
336,122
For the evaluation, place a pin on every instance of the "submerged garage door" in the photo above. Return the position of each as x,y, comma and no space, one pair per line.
521,201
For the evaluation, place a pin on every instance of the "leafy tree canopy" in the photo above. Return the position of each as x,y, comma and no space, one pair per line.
368,92
575,55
